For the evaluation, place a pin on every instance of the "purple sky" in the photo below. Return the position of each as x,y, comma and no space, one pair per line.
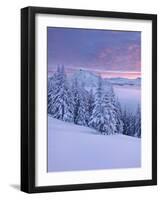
108,53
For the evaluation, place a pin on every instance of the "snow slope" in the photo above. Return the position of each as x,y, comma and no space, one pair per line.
73,147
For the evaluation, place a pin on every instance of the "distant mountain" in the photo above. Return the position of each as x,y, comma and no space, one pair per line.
124,81
89,79
86,78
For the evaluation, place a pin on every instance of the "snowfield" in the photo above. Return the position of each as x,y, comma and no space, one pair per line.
73,147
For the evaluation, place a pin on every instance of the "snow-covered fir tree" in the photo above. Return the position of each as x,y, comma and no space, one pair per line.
60,99
138,123
53,84
96,120
88,99
125,122
50,94
119,121
80,102
75,97
132,119
82,109
90,105
100,118
128,123
114,111
132,123
109,115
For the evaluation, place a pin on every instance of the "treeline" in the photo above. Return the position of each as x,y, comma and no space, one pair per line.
132,123
97,108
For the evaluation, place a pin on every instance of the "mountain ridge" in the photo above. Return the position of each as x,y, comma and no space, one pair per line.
89,78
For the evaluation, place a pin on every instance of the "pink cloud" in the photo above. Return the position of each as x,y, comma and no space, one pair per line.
130,75
121,58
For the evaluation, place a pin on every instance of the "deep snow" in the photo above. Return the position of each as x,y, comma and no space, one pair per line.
74,147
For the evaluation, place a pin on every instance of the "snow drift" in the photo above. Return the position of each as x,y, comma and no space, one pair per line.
73,147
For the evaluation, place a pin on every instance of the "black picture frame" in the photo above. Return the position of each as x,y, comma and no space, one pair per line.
28,98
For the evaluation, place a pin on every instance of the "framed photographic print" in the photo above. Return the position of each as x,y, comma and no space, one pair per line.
88,99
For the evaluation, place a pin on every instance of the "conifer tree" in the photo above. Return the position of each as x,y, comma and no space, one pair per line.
138,123
60,99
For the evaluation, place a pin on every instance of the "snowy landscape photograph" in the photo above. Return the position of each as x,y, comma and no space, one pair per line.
93,99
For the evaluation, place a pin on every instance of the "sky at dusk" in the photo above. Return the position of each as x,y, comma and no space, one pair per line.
104,52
